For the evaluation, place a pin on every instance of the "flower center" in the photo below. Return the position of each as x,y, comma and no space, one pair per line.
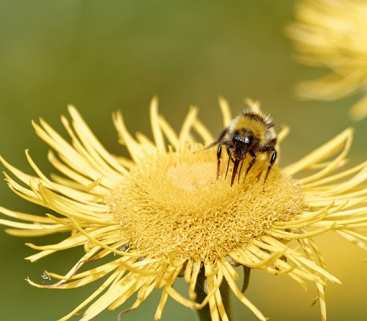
192,177
174,205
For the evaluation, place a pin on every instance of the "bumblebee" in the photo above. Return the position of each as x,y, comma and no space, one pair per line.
251,132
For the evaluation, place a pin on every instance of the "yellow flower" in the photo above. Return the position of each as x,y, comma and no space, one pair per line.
333,34
162,214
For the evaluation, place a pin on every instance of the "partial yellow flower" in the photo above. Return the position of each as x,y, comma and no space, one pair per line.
161,214
333,34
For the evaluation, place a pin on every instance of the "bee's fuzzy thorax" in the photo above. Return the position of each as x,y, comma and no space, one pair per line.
255,125
255,120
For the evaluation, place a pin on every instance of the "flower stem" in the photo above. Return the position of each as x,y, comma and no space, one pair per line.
246,278
204,313
224,291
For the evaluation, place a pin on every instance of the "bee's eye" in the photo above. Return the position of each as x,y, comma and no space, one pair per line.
243,139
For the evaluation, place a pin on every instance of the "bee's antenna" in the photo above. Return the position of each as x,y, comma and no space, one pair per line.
211,145
218,140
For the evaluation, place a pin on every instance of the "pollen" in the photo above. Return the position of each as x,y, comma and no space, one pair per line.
175,206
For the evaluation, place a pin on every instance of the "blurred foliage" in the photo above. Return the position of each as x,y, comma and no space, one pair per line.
115,55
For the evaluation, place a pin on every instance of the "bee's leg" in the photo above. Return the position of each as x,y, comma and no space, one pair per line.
252,162
227,168
273,157
219,156
219,139
269,149
234,172
229,159
241,165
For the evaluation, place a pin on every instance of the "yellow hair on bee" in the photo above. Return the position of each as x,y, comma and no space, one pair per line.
255,120
250,120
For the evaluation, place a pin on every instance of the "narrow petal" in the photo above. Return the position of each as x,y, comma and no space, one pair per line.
187,126
87,136
226,270
339,144
134,148
204,133
169,133
226,111
154,119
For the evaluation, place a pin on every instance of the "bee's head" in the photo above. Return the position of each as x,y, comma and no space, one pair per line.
242,142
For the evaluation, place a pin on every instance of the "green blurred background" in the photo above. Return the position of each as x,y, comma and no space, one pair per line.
115,55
